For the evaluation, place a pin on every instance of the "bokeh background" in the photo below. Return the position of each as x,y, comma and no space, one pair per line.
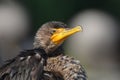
97,47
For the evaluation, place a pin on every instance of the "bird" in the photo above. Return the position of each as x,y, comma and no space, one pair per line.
47,60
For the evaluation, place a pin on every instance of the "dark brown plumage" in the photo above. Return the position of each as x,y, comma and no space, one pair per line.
46,61
26,66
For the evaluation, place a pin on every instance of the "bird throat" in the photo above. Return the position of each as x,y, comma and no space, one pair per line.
56,52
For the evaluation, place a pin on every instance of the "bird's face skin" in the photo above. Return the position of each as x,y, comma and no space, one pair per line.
52,34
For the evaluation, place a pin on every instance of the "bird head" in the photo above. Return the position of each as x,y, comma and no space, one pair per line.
52,34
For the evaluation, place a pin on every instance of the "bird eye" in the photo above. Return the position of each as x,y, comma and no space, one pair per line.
53,31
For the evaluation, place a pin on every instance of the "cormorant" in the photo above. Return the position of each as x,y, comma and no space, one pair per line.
46,61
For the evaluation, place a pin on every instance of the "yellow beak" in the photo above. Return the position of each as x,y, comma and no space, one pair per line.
62,33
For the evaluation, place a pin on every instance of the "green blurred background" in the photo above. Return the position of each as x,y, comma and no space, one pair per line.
62,10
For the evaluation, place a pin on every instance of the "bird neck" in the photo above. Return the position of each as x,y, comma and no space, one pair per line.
54,53
41,52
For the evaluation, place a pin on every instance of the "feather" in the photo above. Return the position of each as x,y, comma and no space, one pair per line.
26,66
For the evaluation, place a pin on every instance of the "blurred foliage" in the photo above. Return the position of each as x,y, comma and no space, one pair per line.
62,10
